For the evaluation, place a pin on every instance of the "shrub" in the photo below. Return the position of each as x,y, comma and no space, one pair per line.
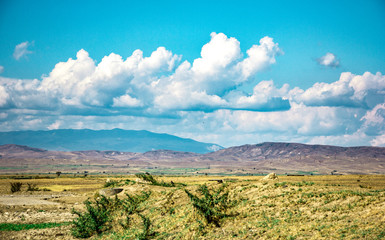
16,186
149,178
32,187
132,205
111,183
146,231
102,211
213,206
94,219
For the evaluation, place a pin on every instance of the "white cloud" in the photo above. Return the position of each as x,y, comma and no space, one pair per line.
4,96
55,125
218,54
378,141
355,139
1,69
25,94
21,50
159,84
126,101
374,121
266,96
329,60
201,99
364,91
259,57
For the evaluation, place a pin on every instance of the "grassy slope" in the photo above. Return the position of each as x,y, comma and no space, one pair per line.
310,207
280,209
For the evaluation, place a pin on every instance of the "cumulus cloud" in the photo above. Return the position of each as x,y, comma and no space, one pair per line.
202,99
4,96
329,60
374,120
259,57
1,69
158,84
126,101
21,50
378,141
351,90
266,96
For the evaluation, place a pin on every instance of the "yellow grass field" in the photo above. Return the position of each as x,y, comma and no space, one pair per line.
289,207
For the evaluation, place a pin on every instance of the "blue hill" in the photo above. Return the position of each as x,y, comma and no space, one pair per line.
115,139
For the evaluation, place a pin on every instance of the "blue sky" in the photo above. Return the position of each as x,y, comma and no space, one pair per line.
229,72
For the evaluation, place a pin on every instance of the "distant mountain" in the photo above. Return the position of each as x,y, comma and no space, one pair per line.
250,159
287,157
295,151
115,139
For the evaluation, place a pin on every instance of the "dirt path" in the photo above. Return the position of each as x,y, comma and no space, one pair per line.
23,200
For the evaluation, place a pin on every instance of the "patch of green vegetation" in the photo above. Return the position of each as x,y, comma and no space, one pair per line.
95,219
149,178
213,205
111,183
12,168
307,172
103,212
22,226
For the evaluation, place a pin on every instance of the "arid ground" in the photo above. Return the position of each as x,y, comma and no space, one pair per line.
288,207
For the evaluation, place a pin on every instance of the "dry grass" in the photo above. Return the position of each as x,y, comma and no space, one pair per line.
308,207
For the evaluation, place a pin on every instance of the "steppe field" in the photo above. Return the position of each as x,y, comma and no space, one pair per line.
192,207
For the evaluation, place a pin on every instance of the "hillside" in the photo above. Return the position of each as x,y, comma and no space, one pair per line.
247,159
115,140
297,151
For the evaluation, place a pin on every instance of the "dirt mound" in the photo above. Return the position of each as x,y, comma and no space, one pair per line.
110,191
270,176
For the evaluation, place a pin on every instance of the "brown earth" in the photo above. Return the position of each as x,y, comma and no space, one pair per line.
262,158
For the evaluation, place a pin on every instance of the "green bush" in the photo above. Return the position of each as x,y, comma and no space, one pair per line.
95,219
213,206
111,183
149,178
102,211
131,205
16,186
147,233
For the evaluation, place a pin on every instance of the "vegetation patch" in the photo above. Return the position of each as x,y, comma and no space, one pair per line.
16,186
22,226
213,204
147,177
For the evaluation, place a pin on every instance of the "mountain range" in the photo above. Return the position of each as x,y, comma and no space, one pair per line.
115,139
261,158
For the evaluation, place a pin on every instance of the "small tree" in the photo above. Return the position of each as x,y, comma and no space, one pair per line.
58,174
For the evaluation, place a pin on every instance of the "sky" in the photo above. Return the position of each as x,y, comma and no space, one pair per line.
225,72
